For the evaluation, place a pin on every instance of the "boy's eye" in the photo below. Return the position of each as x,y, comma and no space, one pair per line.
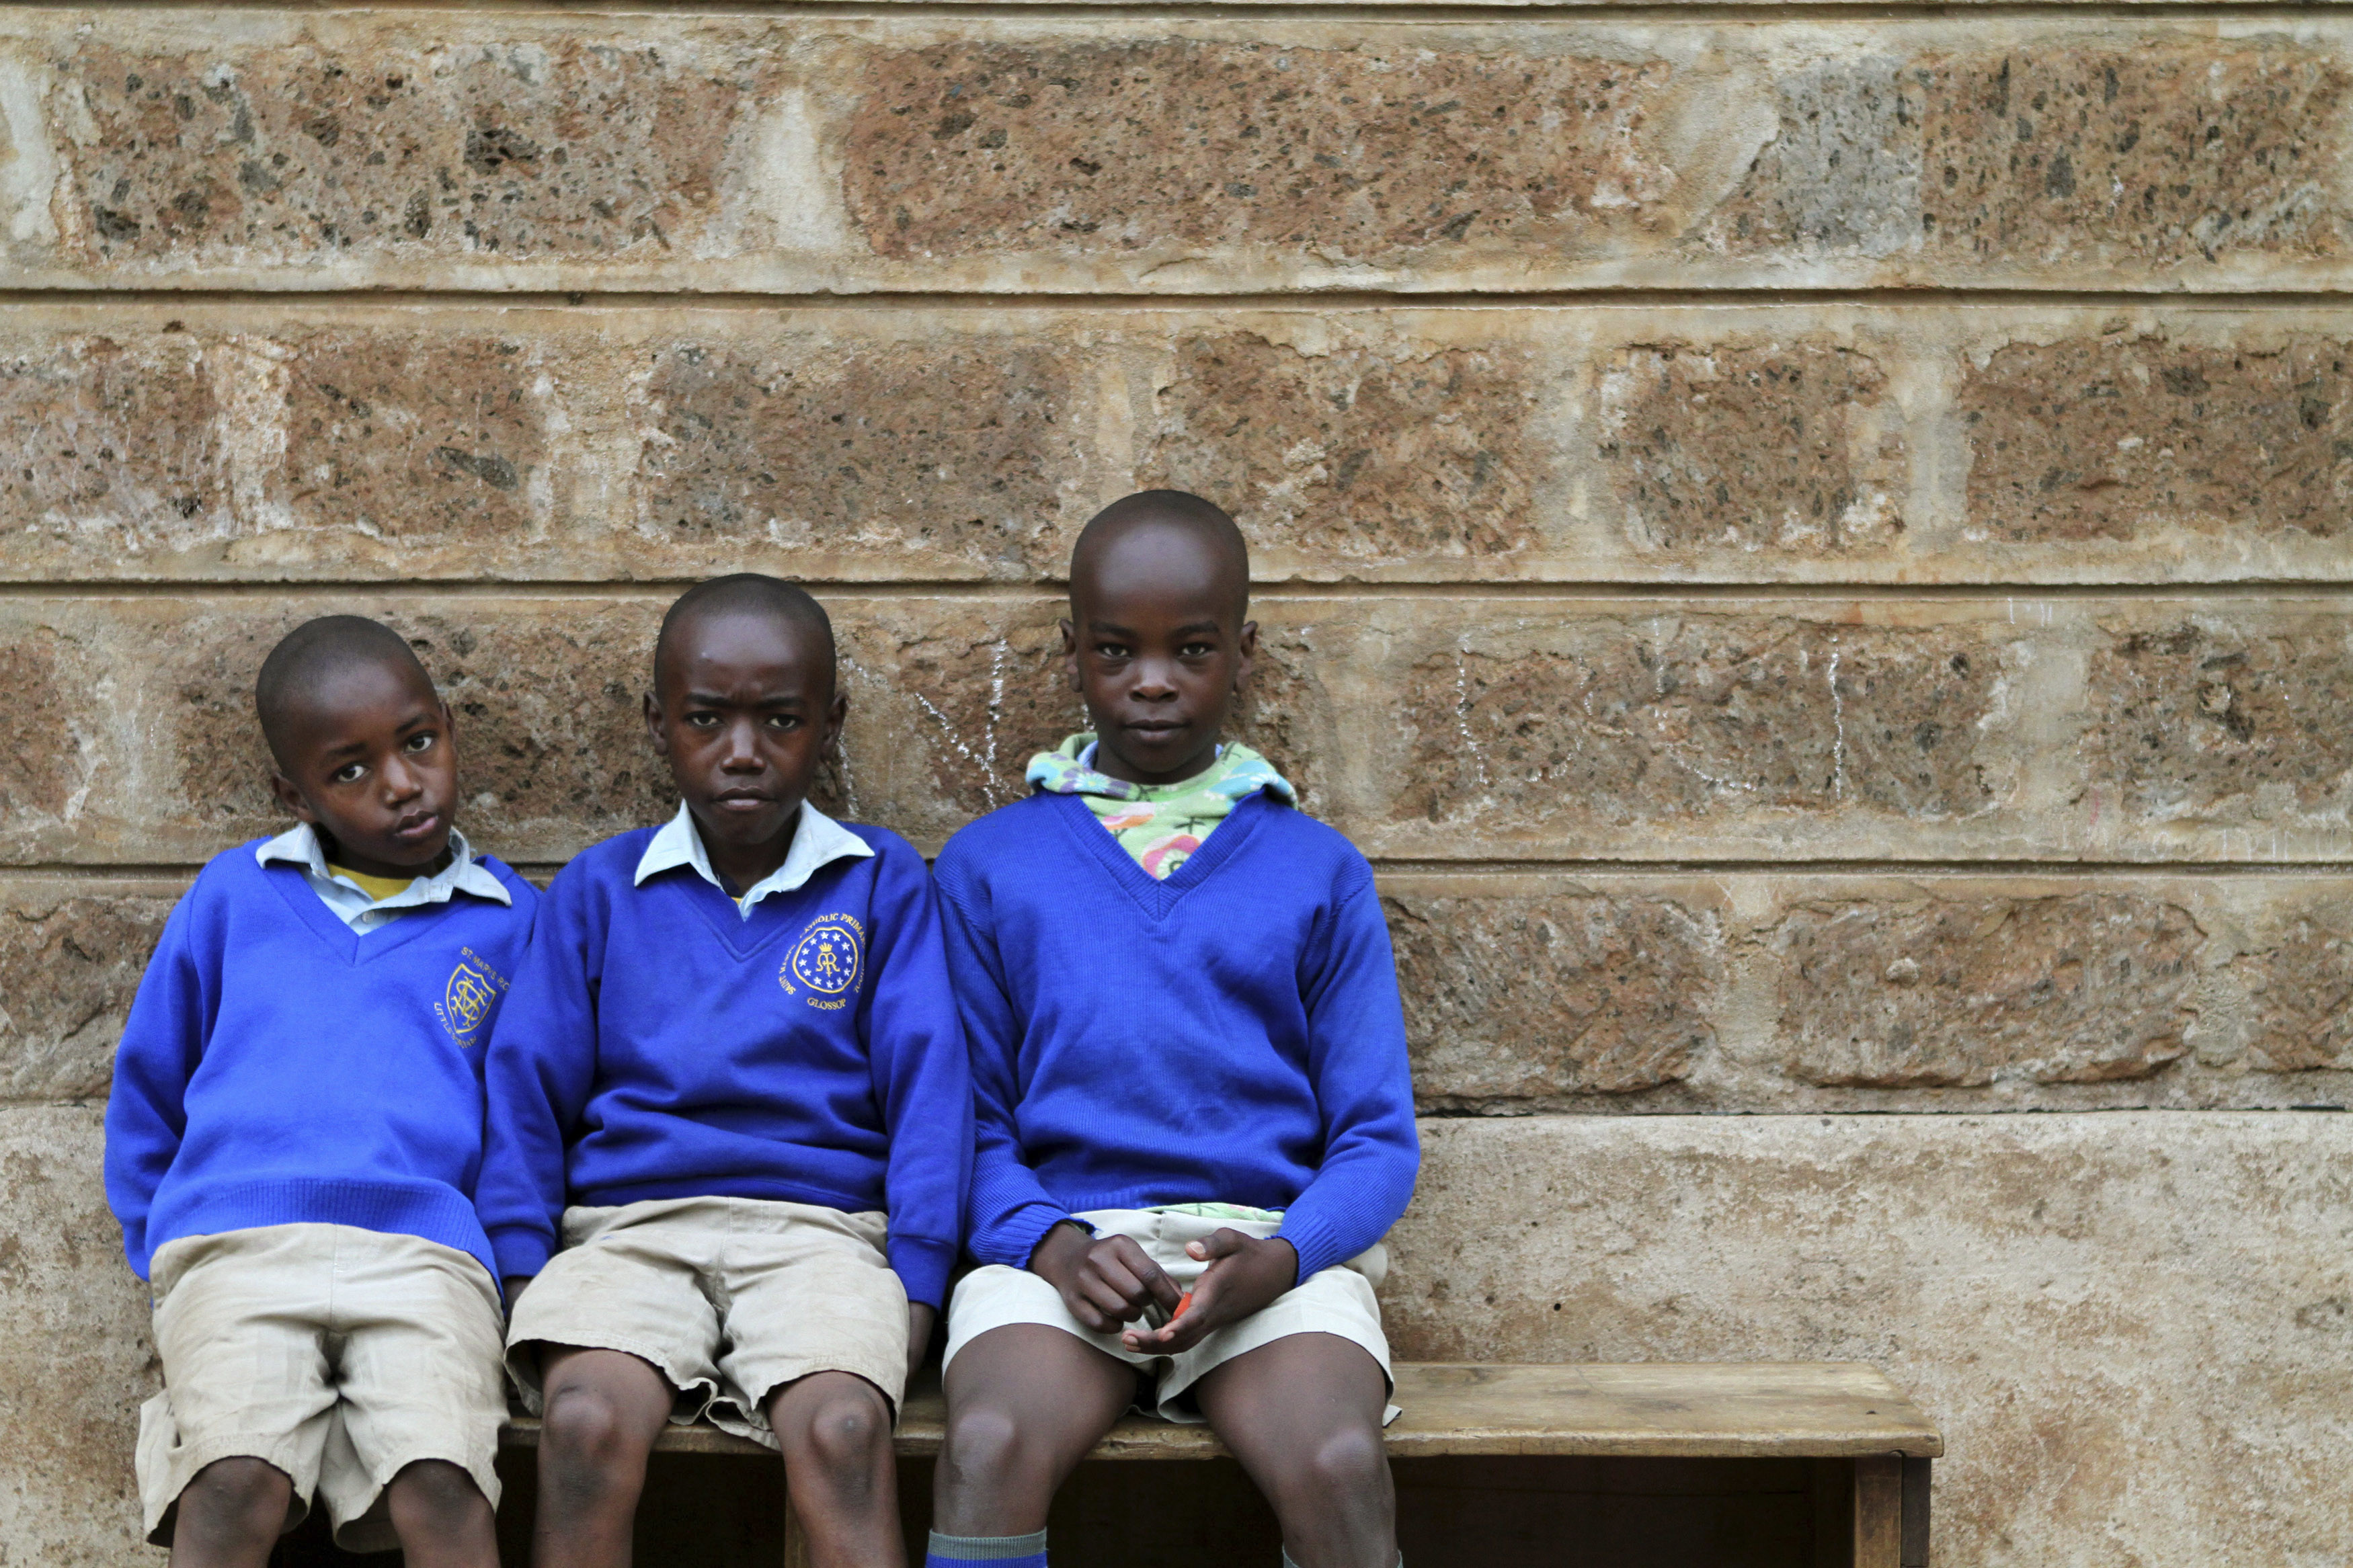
1195,650
702,721
785,720
422,741
1111,650
350,773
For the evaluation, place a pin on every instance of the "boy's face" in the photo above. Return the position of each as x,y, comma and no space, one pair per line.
370,759
743,709
1156,648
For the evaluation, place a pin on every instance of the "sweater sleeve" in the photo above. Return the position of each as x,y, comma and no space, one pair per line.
539,1068
922,1077
1356,1057
162,1042
1011,1211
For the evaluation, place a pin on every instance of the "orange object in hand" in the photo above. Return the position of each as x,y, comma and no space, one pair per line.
1182,1302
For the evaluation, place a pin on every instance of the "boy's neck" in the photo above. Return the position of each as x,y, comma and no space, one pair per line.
742,867
1112,765
333,853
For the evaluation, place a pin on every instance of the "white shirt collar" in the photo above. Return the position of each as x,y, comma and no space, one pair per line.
360,910
818,841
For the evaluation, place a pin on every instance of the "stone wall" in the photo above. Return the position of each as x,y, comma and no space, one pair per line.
1811,547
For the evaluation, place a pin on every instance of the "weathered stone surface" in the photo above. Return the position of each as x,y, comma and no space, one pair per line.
72,952
102,435
240,153
2132,1329
1367,152
39,770
2299,990
2122,438
959,451
2217,718
1511,995
76,1356
1627,720
1785,446
1352,454
1940,992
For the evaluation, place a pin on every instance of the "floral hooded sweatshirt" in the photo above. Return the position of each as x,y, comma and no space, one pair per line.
1160,824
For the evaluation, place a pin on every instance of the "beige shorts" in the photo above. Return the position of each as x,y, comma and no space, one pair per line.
729,1298
1336,1301
336,1355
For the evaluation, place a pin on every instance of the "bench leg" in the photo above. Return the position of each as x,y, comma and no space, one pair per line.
1879,1512
1915,1513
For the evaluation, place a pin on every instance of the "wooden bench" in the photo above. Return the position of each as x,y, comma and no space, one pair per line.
1846,1415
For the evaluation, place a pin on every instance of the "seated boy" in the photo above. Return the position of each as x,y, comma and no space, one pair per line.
294,1132
731,1086
1195,1119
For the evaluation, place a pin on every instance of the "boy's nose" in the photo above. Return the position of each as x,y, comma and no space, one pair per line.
743,753
400,780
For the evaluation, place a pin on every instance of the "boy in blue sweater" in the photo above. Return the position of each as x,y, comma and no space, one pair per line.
731,1109
294,1134
1194,1115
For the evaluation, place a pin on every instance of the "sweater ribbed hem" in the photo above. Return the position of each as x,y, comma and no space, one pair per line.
1317,1247
426,1209
922,1265
521,1251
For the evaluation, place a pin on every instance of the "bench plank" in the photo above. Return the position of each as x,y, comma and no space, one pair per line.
1639,1409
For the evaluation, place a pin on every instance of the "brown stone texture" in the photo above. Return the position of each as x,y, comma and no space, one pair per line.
1381,150
1514,997
1355,455
1772,447
77,1346
1943,992
38,769
2051,154
2127,1327
957,451
71,956
2125,437
436,438
2210,716
2299,989
1625,720
102,435
237,153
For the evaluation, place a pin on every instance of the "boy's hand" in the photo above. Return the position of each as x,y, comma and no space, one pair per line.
920,1318
1243,1275
1105,1282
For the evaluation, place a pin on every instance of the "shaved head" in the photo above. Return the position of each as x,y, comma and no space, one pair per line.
309,660
744,594
1172,520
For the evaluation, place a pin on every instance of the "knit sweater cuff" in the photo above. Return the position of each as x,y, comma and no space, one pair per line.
922,1265
521,1251
1317,1247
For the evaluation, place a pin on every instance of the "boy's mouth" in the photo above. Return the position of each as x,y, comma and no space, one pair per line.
741,800
419,825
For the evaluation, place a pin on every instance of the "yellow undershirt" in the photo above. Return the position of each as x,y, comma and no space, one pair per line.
376,887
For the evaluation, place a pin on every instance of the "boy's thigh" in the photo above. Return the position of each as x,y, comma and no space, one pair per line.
996,1295
1337,1302
806,1290
630,1279
419,1343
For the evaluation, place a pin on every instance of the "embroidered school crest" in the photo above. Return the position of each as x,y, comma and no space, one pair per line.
470,997
826,964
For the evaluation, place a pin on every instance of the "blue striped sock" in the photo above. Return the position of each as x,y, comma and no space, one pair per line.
995,1551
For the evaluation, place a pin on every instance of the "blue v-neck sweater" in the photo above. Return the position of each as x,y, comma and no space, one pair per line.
660,1044
278,1067
1230,1035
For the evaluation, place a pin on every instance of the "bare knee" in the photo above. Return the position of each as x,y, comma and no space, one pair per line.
982,1448
588,1449
1350,1462
847,1431
437,1495
240,1497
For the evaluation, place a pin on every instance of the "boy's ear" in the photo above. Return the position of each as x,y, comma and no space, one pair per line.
290,799
1070,655
1246,645
835,712
654,727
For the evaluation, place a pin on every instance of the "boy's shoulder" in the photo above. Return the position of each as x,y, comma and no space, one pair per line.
1021,824
601,861
526,897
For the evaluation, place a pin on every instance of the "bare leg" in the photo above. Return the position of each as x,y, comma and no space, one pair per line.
604,1408
835,1430
230,1515
1025,1403
442,1518
1303,1417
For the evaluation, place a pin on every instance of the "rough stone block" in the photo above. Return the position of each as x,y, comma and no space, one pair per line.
236,151
1786,446
71,951
1515,994
1374,151
960,451
2298,992
100,433
42,771
1941,992
2245,720
2131,1328
2130,438
77,1354
1355,455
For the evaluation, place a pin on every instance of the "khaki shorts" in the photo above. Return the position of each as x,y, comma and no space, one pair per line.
1336,1300
336,1355
729,1298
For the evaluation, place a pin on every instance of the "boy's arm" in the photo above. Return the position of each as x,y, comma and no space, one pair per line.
540,1065
1357,1057
923,1079
1011,1211
162,1042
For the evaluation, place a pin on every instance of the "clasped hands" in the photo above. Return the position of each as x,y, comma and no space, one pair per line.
1109,1282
